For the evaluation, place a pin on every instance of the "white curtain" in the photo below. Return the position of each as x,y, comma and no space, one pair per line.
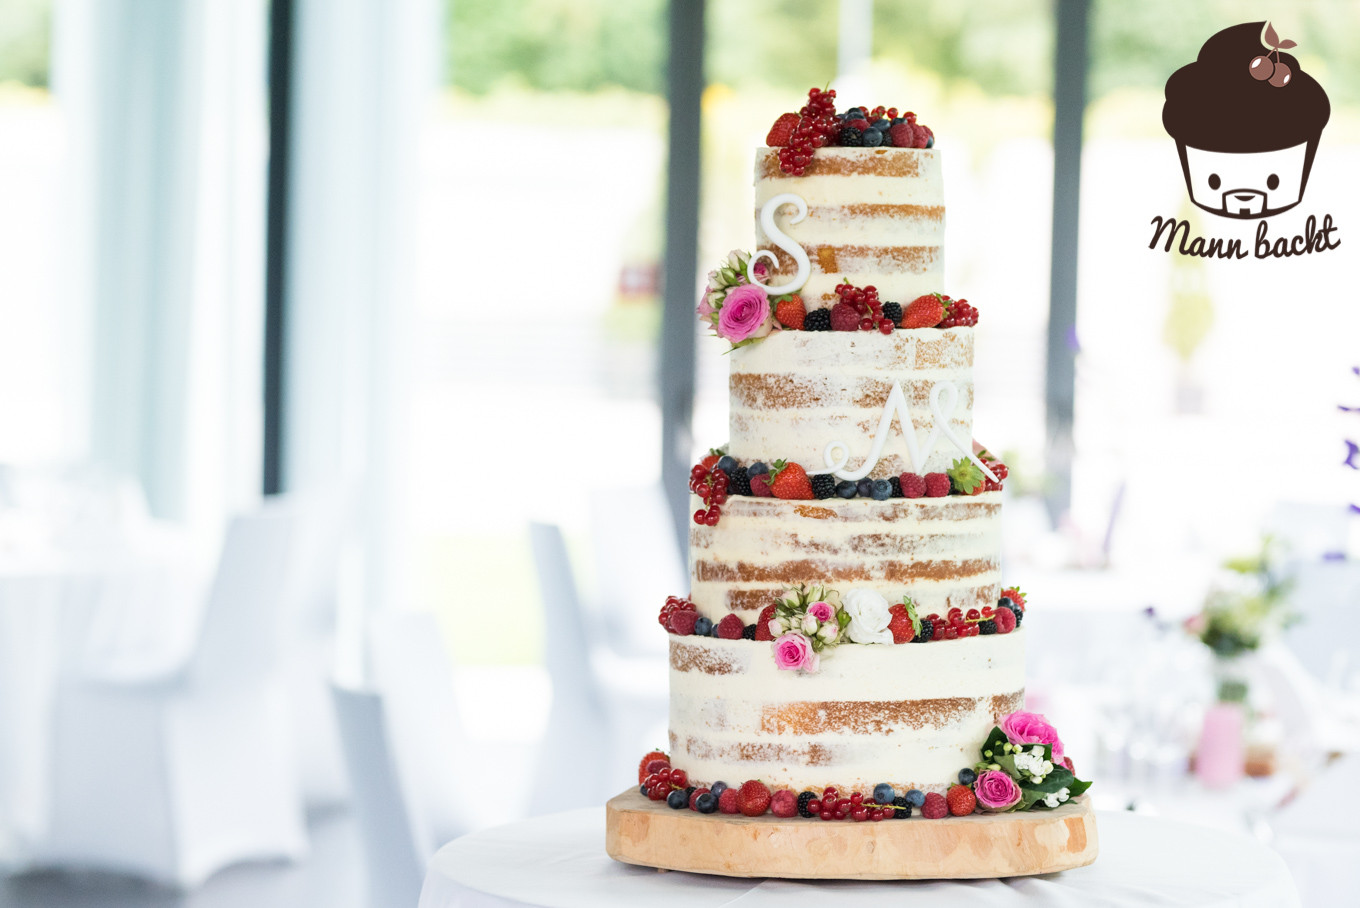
364,71
163,258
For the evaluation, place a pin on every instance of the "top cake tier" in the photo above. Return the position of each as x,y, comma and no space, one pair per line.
875,217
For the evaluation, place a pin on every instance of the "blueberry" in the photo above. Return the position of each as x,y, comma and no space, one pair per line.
713,632
1005,602
880,124
883,793
642,789
930,141
873,138
846,489
727,463
703,626
865,487
854,113
967,776
916,797
718,788
706,802
756,468
677,799
897,121
882,490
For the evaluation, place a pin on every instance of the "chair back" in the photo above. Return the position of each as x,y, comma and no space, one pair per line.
248,604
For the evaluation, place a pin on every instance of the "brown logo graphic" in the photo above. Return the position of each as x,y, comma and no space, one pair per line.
1246,119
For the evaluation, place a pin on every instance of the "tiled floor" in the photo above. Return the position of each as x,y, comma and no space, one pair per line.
333,877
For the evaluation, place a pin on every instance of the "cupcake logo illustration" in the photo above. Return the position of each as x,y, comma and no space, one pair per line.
1246,119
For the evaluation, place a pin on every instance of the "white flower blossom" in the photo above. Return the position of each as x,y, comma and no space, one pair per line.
1033,765
869,617
810,625
1056,798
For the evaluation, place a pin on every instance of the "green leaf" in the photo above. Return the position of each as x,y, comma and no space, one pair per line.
995,742
966,476
913,616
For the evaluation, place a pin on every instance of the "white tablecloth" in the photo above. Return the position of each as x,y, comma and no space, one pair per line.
559,860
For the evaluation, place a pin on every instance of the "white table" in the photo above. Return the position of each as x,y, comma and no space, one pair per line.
559,861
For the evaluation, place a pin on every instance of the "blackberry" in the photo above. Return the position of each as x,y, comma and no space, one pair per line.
903,810
928,629
895,483
846,488
823,485
738,483
748,632
850,137
987,627
893,312
817,320
803,804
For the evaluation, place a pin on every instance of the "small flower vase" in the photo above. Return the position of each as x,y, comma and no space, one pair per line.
1221,757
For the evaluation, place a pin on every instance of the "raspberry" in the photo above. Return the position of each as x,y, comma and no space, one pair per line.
730,628
960,800
644,770
753,798
935,807
682,621
782,130
784,803
902,135
791,313
727,801
913,485
763,623
937,485
924,312
823,486
760,485
844,317
818,320
900,624
1005,620
929,137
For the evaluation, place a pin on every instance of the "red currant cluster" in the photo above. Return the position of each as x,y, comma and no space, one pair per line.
960,314
816,125
673,604
864,301
831,806
660,782
710,484
1001,472
957,623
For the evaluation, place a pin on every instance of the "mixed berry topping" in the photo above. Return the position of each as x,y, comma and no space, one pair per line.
818,125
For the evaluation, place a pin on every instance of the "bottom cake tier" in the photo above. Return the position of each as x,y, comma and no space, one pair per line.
910,715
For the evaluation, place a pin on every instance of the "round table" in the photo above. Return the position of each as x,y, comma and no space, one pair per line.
559,861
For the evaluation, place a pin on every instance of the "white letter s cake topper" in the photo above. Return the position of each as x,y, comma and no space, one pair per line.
783,241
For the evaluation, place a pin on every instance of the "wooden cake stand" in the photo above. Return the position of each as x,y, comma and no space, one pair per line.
981,846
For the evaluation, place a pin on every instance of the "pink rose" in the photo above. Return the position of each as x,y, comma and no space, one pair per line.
704,309
996,791
794,651
822,611
1032,728
760,271
745,314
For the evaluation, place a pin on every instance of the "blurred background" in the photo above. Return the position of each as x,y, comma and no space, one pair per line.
348,373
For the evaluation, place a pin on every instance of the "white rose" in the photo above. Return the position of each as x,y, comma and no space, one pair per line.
810,625
869,617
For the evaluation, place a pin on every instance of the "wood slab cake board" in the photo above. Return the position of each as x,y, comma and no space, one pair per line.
981,846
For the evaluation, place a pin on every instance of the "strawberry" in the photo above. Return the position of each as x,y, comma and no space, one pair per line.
937,485
913,485
763,623
727,801
844,317
967,479
924,311
900,624
644,770
784,803
730,628
790,312
935,806
753,798
790,481
782,130
960,800
902,135
1014,594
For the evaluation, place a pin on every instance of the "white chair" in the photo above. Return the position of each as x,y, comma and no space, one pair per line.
604,706
400,738
637,564
173,777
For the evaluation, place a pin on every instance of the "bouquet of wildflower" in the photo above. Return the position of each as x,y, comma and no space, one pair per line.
1023,767
735,308
806,622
